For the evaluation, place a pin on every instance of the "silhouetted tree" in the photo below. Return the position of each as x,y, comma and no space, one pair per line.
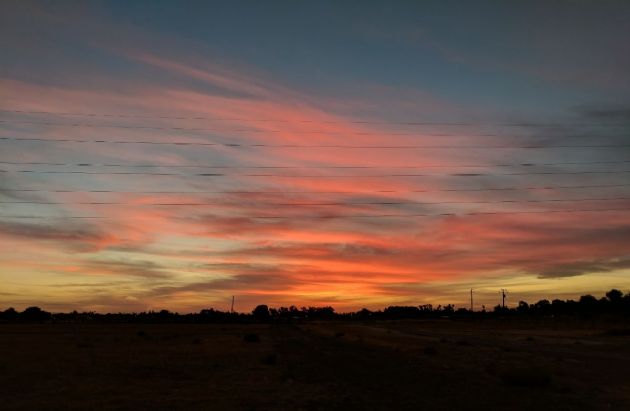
614,303
363,314
261,313
9,314
35,314
401,312
523,307
614,296
426,308
319,313
543,307
588,304
499,309
558,306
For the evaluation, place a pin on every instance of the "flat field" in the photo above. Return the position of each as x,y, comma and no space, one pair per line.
389,365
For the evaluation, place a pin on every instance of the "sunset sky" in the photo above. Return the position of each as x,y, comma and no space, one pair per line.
353,154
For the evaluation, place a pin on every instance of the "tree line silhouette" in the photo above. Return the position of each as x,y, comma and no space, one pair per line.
613,303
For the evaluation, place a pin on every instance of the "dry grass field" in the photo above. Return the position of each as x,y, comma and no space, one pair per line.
394,365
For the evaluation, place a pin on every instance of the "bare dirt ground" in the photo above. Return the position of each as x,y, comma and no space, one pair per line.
392,365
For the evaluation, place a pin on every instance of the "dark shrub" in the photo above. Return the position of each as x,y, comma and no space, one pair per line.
526,377
9,314
252,338
270,359
430,350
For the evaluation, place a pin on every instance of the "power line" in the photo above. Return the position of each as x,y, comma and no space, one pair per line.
204,129
53,217
277,192
406,123
148,173
86,164
315,204
337,146
337,216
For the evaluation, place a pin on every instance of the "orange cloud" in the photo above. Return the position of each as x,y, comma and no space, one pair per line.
193,256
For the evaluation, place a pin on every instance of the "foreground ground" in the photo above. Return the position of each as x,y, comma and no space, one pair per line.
432,365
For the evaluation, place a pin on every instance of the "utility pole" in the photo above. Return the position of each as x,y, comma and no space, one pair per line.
232,308
503,294
471,299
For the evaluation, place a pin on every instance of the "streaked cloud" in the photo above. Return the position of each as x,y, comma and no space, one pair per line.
286,224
